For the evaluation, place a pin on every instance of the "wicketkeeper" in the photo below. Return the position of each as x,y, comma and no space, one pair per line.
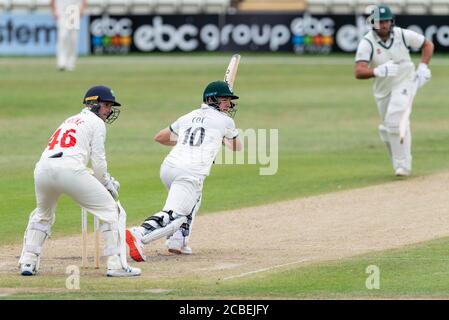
197,138
62,169
384,54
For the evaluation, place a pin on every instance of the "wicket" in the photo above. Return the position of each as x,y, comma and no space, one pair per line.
96,240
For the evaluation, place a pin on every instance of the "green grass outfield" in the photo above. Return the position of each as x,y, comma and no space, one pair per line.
328,141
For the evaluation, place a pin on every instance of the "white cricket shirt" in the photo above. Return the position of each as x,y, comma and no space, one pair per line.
81,139
397,48
200,135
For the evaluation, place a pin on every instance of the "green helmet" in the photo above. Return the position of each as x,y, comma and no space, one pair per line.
381,12
218,89
385,13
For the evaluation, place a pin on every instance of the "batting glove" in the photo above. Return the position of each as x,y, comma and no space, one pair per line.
113,186
388,69
423,74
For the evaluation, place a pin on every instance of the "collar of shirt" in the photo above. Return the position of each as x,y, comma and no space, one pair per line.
380,41
86,111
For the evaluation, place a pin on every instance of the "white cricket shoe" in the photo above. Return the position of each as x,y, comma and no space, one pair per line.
124,272
134,242
176,244
28,264
401,172
28,269
182,250
115,268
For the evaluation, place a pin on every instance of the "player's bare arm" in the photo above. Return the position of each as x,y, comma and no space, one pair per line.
427,51
233,144
166,137
388,69
423,73
363,71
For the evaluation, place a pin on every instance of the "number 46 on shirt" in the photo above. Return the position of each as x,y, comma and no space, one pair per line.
67,139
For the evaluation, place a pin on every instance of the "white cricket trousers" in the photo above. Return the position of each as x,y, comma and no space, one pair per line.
184,189
67,46
52,177
391,110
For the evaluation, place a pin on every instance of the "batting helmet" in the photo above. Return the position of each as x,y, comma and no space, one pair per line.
98,94
218,89
382,12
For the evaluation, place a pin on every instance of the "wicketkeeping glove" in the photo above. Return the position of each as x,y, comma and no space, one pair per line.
388,69
423,74
113,186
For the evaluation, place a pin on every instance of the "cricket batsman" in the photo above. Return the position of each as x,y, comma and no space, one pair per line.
197,138
62,170
384,54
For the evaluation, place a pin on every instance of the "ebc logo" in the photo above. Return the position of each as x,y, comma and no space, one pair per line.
312,35
110,35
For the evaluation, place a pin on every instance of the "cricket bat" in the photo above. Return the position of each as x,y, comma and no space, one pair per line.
231,71
404,123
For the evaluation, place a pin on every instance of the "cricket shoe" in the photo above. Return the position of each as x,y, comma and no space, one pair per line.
177,246
401,172
124,272
116,269
28,264
134,242
28,269
183,250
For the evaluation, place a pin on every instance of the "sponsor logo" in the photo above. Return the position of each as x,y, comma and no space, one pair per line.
312,35
36,34
302,34
349,35
437,34
188,37
12,32
110,35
